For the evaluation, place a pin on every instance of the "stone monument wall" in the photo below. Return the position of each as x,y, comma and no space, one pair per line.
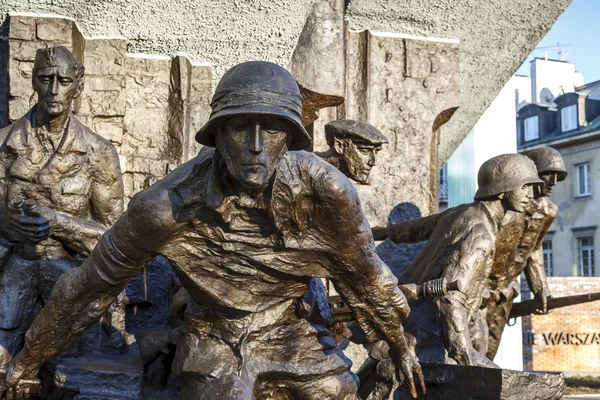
406,87
149,107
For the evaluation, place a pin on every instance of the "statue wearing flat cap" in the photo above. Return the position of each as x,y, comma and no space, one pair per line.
353,146
246,225
60,188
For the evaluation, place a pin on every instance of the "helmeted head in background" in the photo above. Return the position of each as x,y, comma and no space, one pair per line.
256,117
551,168
508,177
57,79
357,145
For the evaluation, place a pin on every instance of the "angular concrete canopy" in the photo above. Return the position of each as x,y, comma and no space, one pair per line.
495,37
223,33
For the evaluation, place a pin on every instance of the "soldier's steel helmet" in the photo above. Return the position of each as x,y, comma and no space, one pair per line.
505,173
257,88
548,159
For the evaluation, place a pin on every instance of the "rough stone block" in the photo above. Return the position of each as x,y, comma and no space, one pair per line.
17,107
105,56
101,378
109,128
55,30
148,82
21,28
23,50
26,70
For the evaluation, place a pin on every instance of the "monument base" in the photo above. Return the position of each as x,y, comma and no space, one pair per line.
451,382
117,378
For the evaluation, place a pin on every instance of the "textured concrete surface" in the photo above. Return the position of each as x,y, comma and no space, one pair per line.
495,38
221,32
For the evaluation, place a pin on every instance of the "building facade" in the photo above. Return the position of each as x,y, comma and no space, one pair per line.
570,124
565,115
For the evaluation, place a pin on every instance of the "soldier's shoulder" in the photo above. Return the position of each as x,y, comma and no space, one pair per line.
324,177
94,141
178,193
552,208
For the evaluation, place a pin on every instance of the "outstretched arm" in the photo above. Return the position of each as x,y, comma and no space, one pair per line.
410,231
364,282
83,294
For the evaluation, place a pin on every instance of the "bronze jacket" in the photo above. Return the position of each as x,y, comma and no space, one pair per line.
230,255
80,178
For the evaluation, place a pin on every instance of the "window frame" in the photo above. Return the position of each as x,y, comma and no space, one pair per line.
526,131
571,118
589,248
587,175
548,256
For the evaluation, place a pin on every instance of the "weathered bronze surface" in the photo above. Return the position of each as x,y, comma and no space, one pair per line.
461,247
353,147
519,249
60,188
245,226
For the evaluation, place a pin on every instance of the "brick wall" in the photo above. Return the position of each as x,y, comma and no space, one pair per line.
567,339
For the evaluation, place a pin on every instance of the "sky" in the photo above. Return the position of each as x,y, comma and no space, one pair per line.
577,26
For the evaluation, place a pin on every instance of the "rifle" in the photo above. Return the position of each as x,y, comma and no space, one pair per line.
380,233
412,292
532,306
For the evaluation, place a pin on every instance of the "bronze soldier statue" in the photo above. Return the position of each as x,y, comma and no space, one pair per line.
460,247
60,188
519,248
353,146
245,225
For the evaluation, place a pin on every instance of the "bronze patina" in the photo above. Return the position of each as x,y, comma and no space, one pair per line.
353,147
60,188
519,248
245,225
460,246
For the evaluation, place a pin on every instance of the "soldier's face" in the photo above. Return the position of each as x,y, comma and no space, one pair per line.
56,88
359,158
550,179
252,148
518,200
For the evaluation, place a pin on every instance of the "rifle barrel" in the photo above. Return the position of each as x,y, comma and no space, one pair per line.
531,306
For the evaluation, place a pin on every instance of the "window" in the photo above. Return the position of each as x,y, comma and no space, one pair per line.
532,128
547,249
584,181
568,118
443,181
585,246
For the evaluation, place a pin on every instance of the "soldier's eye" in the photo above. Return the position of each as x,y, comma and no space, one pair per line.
65,82
44,80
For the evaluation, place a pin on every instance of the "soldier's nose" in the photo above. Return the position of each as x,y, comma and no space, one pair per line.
53,88
371,162
256,144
